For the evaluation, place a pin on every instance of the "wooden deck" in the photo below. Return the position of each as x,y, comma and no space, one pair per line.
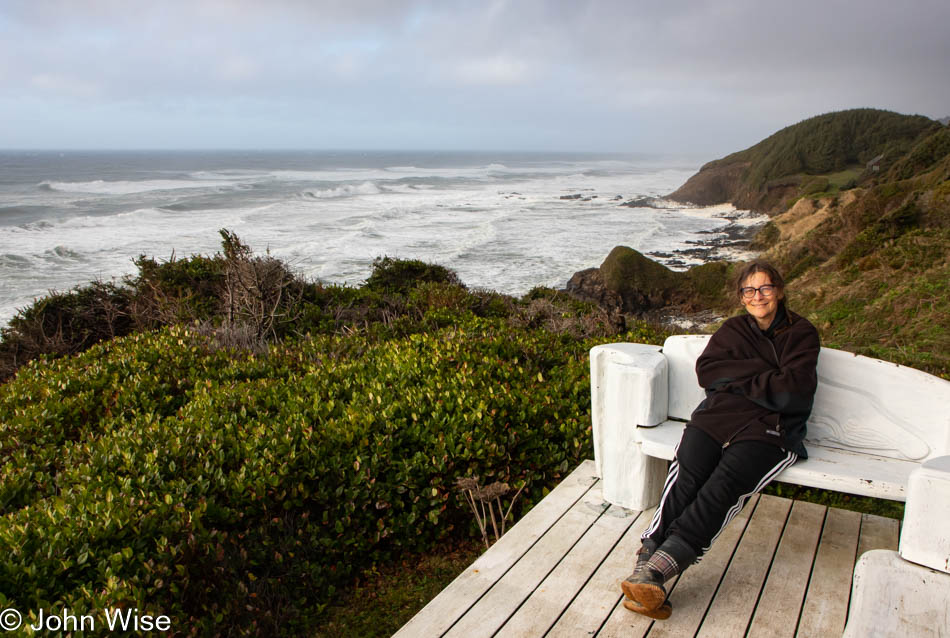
781,568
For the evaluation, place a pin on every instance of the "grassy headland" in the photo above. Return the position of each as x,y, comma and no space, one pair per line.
795,159
865,250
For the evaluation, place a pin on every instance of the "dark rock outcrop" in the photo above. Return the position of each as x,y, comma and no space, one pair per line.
640,282
630,283
588,285
641,202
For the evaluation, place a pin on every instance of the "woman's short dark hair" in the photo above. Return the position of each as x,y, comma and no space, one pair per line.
758,266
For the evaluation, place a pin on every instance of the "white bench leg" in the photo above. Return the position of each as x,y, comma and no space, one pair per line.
629,387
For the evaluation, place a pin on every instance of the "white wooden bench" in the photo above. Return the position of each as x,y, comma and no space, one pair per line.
873,425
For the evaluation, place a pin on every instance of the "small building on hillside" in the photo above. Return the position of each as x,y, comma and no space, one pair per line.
875,164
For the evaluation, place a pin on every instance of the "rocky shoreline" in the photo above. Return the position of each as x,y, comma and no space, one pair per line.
673,307
730,242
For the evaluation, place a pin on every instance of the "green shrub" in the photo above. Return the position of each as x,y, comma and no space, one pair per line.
176,290
401,275
814,185
65,323
236,492
431,295
491,304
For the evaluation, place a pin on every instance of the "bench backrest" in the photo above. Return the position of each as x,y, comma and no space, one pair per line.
862,404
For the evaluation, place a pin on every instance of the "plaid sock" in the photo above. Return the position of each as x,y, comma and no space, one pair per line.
663,564
672,558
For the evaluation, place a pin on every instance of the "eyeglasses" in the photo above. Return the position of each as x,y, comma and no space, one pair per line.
749,292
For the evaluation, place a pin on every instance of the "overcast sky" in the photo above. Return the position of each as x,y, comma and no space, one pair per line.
682,77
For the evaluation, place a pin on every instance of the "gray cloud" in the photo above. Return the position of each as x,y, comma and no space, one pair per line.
607,75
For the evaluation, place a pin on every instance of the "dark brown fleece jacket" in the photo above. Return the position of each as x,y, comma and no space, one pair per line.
760,386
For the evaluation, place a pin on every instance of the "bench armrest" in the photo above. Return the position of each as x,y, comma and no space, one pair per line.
892,597
925,534
629,387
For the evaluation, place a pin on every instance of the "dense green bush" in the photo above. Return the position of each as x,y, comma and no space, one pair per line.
401,275
162,293
64,323
176,290
248,301
924,156
235,492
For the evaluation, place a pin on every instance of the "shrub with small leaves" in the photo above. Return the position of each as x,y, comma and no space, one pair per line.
236,491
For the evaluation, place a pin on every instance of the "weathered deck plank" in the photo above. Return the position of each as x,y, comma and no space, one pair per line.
878,532
826,604
601,594
518,583
732,609
559,588
777,611
453,602
781,568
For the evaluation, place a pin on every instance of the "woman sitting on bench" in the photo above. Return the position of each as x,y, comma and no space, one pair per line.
758,371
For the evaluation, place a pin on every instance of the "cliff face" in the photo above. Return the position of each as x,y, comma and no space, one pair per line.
726,184
710,186
842,147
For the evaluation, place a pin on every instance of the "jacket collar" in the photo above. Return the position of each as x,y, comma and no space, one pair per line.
782,320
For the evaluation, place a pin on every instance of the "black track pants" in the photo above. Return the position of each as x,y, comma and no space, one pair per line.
708,485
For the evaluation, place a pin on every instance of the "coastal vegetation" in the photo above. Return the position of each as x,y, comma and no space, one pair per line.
234,472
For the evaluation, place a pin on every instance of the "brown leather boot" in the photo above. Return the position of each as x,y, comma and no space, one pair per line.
645,590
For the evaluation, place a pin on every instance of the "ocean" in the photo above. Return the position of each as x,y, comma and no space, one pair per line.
504,221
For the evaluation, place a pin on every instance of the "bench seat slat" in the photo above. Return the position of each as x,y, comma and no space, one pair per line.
826,468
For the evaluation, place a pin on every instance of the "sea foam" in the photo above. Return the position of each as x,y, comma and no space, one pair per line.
498,224
126,187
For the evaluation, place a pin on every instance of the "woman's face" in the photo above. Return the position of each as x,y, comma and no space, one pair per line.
759,306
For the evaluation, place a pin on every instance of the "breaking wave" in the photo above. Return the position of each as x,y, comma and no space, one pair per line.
347,190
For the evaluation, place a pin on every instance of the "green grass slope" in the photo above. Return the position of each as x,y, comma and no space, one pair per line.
871,266
785,164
